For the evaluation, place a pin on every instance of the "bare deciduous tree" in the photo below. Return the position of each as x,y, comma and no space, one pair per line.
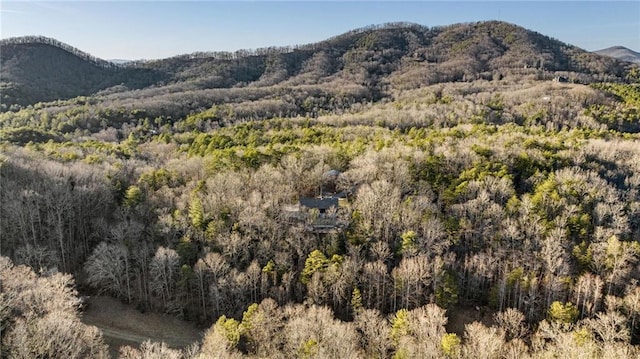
107,269
164,270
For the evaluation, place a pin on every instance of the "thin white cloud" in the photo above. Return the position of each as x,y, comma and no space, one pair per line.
9,11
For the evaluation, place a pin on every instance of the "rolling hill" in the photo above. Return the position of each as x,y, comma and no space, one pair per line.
368,55
362,63
37,69
621,53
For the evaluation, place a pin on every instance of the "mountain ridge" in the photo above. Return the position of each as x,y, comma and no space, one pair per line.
406,55
37,69
621,53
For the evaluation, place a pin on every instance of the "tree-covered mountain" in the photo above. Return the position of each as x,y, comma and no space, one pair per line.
375,52
38,69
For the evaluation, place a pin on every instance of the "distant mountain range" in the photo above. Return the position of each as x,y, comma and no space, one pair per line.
37,69
621,53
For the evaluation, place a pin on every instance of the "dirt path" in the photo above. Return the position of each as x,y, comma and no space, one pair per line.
122,325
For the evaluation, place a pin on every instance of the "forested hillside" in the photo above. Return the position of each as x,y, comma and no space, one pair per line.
37,69
395,191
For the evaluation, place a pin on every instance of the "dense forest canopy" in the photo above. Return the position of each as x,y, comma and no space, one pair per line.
395,191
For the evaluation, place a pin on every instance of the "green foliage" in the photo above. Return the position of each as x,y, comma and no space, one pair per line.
633,75
252,158
308,349
196,121
482,151
133,197
515,276
432,170
513,205
629,94
336,260
547,197
447,290
408,246
451,345
250,146
480,171
401,353
230,329
157,179
496,103
131,143
356,300
563,313
247,319
357,233
583,254
196,214
92,159
315,262
270,267
23,135
582,337
624,113
400,326
213,228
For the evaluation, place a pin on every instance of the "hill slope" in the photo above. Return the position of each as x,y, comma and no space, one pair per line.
621,53
36,69
401,54
369,54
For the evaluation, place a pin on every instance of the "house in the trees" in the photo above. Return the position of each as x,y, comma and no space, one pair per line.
562,79
322,204
321,214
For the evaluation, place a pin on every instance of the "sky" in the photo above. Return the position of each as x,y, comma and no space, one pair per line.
158,29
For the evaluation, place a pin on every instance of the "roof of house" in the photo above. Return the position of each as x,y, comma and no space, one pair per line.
331,174
319,203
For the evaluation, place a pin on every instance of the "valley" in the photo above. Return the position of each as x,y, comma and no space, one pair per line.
462,191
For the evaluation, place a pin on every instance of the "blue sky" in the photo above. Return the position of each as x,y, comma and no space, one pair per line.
157,29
